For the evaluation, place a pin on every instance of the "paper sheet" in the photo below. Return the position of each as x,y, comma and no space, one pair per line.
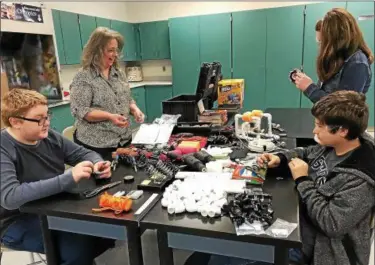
153,134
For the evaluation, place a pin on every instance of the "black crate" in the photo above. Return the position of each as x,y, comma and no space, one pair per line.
185,105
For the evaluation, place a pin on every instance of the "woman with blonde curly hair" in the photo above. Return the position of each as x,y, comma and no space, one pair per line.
344,58
100,96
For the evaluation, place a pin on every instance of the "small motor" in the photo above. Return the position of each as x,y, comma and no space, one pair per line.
292,74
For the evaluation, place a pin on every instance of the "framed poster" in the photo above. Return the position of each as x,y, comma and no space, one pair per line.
21,12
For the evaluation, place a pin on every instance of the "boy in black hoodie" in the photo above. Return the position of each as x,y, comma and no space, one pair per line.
335,181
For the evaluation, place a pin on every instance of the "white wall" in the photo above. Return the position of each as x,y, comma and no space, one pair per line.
153,11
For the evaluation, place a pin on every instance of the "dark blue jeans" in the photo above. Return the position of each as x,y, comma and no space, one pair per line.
25,234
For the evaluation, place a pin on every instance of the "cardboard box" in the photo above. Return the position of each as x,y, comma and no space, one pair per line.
231,92
4,89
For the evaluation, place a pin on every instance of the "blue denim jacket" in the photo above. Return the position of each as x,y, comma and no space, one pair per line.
355,75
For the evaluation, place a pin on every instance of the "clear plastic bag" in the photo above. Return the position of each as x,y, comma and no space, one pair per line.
256,228
167,119
281,228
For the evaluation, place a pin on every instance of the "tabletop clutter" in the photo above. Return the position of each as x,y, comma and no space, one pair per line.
207,175
201,164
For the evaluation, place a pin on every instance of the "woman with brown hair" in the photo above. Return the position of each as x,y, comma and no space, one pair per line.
344,59
100,96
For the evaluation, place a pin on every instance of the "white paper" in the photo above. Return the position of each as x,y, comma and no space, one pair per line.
153,134
201,106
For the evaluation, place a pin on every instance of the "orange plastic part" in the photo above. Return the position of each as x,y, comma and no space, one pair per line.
116,204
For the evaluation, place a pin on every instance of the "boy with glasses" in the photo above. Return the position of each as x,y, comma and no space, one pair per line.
33,159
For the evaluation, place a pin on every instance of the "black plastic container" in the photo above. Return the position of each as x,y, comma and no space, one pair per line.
186,105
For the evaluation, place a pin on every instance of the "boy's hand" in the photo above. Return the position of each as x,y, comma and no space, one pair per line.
82,170
273,160
103,169
299,168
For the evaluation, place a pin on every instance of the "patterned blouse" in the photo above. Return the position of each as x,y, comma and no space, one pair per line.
90,90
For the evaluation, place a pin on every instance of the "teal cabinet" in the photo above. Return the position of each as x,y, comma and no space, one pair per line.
139,96
61,117
154,97
154,39
163,50
131,43
185,54
367,27
71,37
121,27
215,41
128,31
249,33
284,52
87,24
58,36
103,22
314,12
148,36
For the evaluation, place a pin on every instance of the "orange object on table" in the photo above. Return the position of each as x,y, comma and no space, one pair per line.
187,147
116,204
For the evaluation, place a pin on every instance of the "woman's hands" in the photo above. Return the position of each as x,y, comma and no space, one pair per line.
137,113
302,81
119,120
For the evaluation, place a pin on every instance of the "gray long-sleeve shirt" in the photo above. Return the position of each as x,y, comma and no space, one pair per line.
32,172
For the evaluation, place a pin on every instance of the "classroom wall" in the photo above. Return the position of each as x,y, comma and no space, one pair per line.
132,12
153,11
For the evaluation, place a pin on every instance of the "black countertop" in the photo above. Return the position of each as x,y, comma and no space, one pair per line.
298,122
285,205
69,206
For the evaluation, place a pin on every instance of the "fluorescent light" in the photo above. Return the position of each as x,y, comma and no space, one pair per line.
366,17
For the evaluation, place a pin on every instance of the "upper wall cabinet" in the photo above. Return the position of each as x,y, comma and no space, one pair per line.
128,31
87,25
314,12
184,42
367,27
103,22
193,41
58,36
71,37
249,32
215,41
154,39
284,52
162,40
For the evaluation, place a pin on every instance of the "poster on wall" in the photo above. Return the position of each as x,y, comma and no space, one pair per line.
21,12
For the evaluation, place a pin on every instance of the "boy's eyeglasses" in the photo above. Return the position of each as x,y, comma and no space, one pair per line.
40,122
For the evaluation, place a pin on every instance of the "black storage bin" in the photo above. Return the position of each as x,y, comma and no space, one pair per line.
186,105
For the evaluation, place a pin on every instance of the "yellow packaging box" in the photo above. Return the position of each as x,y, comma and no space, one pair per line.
231,92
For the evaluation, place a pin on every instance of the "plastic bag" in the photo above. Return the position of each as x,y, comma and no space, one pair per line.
281,228
167,119
256,228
